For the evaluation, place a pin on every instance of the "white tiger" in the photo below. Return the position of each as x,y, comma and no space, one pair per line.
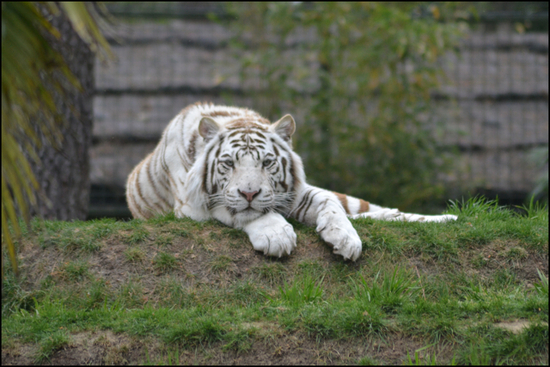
233,165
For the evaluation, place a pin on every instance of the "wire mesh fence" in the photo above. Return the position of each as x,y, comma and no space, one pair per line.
494,100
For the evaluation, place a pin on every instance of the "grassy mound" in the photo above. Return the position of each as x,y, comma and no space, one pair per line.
169,290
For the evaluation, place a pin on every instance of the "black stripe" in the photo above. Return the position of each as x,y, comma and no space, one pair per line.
234,133
163,160
191,150
131,196
212,168
305,198
205,169
310,202
155,188
140,194
186,165
283,182
163,177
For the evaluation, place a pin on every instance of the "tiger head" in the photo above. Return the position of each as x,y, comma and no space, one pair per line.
247,167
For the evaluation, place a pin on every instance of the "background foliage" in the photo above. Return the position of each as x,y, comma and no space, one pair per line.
359,88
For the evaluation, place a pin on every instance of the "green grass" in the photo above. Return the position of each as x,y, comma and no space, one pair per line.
135,255
272,273
171,290
165,261
301,291
50,344
220,263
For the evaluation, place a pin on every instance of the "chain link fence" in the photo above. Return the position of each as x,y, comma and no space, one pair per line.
495,98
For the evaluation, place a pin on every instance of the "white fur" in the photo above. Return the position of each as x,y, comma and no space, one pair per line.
272,235
183,182
396,215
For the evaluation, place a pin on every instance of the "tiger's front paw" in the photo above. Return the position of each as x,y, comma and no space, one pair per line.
339,233
272,235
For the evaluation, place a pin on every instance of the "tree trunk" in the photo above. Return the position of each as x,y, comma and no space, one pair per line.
63,171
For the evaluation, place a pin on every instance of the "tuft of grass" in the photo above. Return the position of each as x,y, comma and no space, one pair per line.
101,228
164,240
172,292
180,232
164,218
234,234
237,237
476,206
139,234
239,341
442,328
170,357
535,210
15,298
164,261
75,270
97,294
391,292
368,361
273,273
214,236
130,294
197,331
504,278
221,263
492,346
242,294
479,261
310,267
91,246
134,255
49,344
542,287
517,253
426,360
303,290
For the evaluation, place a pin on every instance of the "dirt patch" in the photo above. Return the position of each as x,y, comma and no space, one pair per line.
510,255
105,347
197,259
516,327
220,255
101,347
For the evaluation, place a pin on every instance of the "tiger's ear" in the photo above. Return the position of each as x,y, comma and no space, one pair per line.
208,128
285,127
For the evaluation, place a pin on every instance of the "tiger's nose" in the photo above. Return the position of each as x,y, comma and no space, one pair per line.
249,196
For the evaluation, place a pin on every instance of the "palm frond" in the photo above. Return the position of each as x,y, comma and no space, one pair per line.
28,60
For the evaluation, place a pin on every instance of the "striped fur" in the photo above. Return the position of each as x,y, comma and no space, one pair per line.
233,165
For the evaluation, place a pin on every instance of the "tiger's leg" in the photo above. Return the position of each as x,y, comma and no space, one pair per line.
271,234
315,206
357,208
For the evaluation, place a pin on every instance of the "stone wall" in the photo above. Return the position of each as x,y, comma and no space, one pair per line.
494,101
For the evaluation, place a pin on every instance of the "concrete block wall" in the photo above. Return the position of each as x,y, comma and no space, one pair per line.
498,86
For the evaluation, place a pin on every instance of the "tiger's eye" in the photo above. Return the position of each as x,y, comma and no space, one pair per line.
228,163
267,162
